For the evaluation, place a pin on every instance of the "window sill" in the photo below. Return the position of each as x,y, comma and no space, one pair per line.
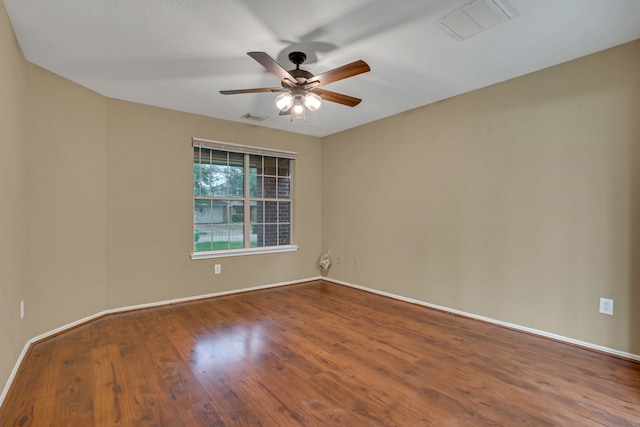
241,252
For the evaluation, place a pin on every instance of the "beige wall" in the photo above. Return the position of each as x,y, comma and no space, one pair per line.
150,214
67,201
110,206
518,202
13,197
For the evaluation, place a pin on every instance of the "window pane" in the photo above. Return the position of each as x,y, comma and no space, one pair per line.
271,235
219,184
236,185
220,214
201,155
253,212
236,236
202,213
284,167
284,188
220,169
204,179
209,157
270,212
255,165
219,161
257,235
284,234
255,186
237,211
284,212
220,237
270,187
202,238
236,162
217,157
270,166
196,179
257,212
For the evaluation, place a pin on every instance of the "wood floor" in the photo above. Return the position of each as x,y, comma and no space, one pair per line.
314,354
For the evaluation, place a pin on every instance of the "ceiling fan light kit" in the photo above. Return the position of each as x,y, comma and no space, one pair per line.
299,87
298,110
284,101
312,101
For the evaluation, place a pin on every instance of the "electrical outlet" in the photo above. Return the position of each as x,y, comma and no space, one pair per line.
22,309
338,260
356,263
217,269
606,306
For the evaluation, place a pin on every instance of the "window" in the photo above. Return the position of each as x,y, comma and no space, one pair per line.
242,199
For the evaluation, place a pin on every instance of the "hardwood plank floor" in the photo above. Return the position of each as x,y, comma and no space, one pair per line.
314,354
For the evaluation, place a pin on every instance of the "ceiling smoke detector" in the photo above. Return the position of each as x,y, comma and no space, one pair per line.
475,17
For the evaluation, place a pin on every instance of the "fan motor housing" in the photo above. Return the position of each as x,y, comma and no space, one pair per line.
297,58
301,74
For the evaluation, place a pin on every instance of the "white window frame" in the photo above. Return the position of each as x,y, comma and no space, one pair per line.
246,150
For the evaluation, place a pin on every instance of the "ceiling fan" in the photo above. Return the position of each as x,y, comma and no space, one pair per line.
300,88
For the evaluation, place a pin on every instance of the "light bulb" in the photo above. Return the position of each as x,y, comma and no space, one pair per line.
284,101
298,106
312,101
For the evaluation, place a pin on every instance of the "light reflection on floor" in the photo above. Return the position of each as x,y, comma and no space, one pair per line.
227,346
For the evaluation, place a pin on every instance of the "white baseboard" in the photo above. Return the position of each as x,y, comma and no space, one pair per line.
129,308
275,285
14,371
532,331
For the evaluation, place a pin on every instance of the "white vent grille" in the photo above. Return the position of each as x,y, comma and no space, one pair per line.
475,17
254,117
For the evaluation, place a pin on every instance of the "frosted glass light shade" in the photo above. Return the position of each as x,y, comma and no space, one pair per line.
284,101
298,106
312,101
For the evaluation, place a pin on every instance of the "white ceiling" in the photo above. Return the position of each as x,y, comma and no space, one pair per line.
179,54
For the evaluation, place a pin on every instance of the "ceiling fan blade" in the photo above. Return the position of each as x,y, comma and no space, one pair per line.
258,90
273,67
349,70
328,95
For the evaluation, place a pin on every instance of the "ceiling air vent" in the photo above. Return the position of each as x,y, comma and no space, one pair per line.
254,117
475,17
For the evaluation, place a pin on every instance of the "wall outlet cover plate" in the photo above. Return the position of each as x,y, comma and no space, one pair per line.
606,306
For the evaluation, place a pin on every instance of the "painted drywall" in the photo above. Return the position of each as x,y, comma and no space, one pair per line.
110,204
519,202
150,213
13,197
67,201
